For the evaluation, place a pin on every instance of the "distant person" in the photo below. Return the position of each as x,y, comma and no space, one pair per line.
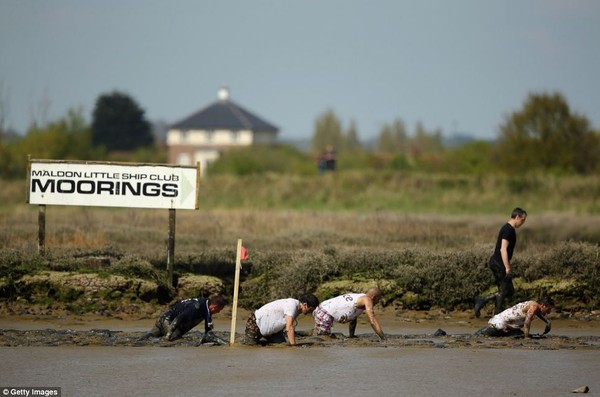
511,321
329,158
346,309
273,319
500,264
321,164
184,315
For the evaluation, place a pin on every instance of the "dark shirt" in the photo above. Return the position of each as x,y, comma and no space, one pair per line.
186,314
507,232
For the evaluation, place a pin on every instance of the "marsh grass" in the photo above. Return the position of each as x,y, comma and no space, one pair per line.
424,240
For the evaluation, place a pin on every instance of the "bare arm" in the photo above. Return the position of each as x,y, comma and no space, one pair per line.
289,326
375,324
532,311
368,304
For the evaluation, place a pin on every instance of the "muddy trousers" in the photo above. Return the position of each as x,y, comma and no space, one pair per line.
504,283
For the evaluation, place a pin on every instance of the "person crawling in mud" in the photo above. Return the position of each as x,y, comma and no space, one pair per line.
512,321
275,321
346,309
184,315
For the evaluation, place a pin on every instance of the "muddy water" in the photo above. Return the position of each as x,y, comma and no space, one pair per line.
410,363
274,372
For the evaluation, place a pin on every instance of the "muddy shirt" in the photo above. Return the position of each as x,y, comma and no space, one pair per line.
186,314
343,308
271,318
511,318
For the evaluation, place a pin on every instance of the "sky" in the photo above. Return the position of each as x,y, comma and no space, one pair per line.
460,66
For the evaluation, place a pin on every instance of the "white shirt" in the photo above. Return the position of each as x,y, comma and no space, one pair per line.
511,318
271,318
343,308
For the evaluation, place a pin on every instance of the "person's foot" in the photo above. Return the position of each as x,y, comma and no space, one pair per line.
249,341
479,303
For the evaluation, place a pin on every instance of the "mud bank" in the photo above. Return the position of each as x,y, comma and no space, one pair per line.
402,329
106,337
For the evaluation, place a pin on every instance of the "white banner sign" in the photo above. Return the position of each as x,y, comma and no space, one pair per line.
113,184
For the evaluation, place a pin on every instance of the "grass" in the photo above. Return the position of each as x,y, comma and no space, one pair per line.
424,239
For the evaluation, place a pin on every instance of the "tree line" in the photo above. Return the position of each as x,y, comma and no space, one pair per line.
119,131
545,135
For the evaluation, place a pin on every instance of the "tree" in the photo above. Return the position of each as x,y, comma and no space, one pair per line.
469,158
351,141
119,123
328,131
425,141
393,138
69,138
546,135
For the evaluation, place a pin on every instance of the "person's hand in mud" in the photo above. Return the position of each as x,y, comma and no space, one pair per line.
210,337
548,328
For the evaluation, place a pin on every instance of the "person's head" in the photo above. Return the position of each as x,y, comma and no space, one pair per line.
216,303
518,216
546,304
308,303
375,294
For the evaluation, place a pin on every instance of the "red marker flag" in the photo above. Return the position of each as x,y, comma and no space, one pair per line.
244,254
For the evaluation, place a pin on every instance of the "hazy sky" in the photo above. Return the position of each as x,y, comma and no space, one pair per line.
456,65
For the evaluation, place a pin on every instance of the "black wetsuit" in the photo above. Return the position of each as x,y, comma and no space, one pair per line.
181,317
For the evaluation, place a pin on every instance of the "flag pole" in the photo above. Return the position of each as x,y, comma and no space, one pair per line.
238,265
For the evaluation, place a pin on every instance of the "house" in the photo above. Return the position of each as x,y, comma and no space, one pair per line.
221,126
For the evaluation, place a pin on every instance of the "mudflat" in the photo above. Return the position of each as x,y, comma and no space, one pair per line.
433,354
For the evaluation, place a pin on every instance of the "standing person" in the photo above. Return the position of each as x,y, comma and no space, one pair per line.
273,318
329,158
510,321
184,315
500,264
346,309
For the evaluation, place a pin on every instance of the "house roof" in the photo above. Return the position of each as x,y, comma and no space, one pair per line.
224,114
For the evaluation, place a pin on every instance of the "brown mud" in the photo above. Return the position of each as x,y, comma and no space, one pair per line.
402,329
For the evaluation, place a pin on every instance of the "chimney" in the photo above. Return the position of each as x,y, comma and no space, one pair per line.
223,93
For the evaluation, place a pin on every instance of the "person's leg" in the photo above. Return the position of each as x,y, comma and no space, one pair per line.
514,332
161,328
278,337
481,301
174,334
505,290
498,272
252,334
154,332
490,331
323,322
501,281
